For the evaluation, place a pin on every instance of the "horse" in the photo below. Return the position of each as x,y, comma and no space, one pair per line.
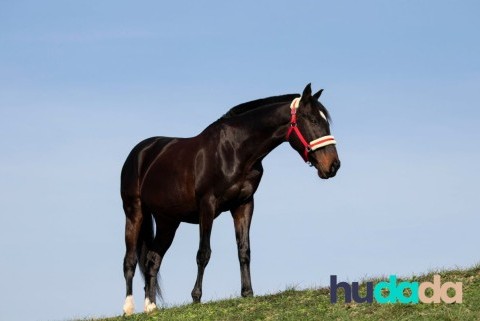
169,180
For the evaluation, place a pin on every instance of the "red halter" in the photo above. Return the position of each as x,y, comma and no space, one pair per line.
314,144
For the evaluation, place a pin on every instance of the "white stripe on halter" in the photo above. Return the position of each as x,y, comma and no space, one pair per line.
295,103
322,142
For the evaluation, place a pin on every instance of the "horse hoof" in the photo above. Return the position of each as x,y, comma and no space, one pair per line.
196,300
129,306
196,295
149,306
247,294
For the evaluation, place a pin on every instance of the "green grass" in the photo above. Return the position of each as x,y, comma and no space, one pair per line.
314,304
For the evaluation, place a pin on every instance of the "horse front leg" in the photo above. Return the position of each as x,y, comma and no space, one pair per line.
242,218
207,214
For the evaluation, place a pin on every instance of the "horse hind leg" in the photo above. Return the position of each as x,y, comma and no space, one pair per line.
165,233
134,217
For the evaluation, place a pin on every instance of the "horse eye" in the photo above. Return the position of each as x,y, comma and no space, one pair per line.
310,119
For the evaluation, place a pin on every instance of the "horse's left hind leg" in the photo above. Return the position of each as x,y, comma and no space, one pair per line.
133,225
163,239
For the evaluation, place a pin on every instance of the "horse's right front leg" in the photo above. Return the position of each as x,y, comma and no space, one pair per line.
242,217
207,214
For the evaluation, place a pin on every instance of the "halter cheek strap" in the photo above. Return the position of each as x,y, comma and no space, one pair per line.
314,144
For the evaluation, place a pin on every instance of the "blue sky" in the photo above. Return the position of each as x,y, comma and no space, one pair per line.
81,82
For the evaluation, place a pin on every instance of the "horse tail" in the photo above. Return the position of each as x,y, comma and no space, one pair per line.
144,243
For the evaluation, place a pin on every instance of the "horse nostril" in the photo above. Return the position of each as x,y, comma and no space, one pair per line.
335,167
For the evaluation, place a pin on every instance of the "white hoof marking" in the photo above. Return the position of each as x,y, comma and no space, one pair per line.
129,306
149,306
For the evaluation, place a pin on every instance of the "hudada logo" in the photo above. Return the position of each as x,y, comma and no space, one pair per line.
403,292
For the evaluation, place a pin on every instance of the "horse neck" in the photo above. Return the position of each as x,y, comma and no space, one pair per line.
260,131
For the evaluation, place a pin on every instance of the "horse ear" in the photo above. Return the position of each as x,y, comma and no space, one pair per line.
307,92
318,94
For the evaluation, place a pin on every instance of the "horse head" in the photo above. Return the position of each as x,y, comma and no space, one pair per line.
310,122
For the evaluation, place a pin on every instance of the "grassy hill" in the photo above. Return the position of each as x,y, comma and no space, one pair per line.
314,304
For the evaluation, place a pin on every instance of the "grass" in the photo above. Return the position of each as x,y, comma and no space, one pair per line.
314,304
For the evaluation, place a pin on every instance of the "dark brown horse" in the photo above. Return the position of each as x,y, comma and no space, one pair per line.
167,180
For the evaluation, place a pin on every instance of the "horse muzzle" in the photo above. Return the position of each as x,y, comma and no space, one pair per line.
332,170
326,162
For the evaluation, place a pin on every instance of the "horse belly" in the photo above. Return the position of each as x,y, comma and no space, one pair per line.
169,199
166,192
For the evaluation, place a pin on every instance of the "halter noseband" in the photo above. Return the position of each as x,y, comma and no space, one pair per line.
314,144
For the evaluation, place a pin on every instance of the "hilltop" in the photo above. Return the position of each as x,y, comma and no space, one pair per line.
314,304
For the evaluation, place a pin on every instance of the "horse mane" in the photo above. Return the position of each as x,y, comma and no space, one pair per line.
255,104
